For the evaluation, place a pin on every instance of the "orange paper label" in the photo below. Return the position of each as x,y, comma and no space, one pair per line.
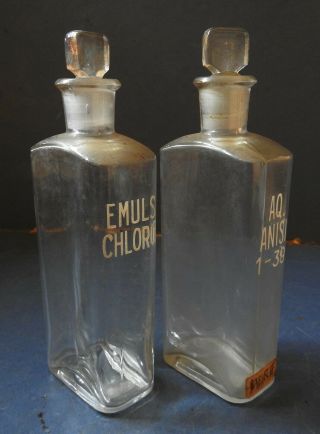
258,381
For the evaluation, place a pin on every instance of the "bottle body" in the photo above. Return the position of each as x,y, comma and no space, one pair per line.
95,209
224,212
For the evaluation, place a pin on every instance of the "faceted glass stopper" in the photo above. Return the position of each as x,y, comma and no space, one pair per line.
87,53
225,49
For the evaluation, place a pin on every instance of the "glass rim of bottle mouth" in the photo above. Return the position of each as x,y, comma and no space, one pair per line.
88,82
225,79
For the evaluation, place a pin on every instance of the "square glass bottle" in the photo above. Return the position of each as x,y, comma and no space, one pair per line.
94,193
224,202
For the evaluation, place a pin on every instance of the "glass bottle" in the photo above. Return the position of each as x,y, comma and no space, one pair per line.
225,195
94,192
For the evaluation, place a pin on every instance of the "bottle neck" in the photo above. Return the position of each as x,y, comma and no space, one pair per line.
89,105
224,103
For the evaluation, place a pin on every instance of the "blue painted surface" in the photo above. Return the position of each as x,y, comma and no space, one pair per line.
33,401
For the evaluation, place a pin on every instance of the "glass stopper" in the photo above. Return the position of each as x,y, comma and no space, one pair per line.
225,49
87,53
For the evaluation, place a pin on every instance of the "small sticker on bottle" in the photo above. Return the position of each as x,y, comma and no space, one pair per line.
258,381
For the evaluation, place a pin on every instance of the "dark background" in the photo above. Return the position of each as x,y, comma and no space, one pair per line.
156,54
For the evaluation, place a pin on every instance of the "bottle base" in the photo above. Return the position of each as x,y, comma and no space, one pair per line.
109,378
197,372
92,400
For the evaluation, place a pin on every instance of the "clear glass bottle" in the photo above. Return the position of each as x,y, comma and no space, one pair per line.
94,193
224,194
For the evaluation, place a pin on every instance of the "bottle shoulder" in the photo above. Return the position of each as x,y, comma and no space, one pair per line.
108,149
247,147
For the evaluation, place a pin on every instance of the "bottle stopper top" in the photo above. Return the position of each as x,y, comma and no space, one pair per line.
225,49
87,53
